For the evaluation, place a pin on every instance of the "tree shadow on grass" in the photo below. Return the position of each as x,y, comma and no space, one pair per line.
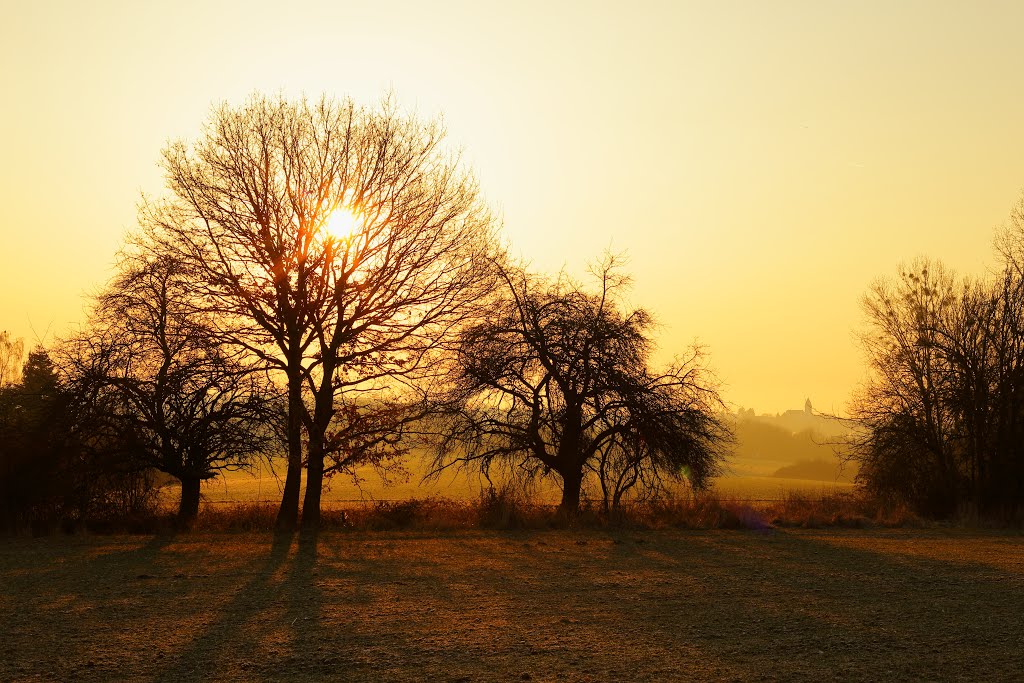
629,606
299,617
345,592
227,639
741,605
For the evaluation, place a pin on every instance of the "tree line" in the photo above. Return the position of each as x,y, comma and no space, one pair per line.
942,415
246,323
242,325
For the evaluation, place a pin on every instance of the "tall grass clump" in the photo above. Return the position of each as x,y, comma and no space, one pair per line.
425,514
839,509
503,508
236,517
706,510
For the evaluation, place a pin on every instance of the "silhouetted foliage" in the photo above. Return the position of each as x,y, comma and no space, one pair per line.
55,465
30,433
351,321
944,409
557,379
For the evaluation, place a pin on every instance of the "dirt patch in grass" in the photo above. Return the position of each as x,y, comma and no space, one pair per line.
528,605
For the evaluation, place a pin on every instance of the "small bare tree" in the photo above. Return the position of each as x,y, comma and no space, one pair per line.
149,366
12,351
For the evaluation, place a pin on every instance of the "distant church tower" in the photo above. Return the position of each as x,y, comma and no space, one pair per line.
807,407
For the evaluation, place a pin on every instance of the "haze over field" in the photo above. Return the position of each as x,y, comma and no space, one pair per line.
774,455
760,163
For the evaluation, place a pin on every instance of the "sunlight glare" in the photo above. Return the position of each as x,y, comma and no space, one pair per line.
343,223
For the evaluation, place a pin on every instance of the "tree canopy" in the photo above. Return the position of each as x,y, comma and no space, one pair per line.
943,409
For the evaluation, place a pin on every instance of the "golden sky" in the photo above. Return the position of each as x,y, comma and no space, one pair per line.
760,162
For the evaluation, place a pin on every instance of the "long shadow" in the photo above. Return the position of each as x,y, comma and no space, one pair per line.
224,637
568,607
347,613
79,554
307,648
439,608
275,627
653,605
739,602
327,615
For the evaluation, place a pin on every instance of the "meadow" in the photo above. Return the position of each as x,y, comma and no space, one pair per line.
745,481
573,605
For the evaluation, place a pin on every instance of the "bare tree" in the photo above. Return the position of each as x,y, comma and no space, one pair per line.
11,353
557,379
361,310
900,344
150,367
943,410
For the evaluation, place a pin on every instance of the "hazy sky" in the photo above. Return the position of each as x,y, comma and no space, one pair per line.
760,162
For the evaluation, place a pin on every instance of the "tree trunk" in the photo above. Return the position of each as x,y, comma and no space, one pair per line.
288,514
567,456
188,508
314,483
323,412
571,485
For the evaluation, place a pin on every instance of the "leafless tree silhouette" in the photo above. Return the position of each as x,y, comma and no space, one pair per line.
557,379
350,320
943,410
150,366
11,353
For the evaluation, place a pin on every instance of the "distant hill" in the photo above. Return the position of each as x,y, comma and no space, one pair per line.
796,444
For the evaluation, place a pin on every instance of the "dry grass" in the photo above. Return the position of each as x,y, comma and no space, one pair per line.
852,509
507,509
554,605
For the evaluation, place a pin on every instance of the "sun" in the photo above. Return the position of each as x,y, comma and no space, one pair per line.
343,223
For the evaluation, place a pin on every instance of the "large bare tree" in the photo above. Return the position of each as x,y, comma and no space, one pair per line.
339,245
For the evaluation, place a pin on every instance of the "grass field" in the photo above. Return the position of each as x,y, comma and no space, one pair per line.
264,485
936,604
